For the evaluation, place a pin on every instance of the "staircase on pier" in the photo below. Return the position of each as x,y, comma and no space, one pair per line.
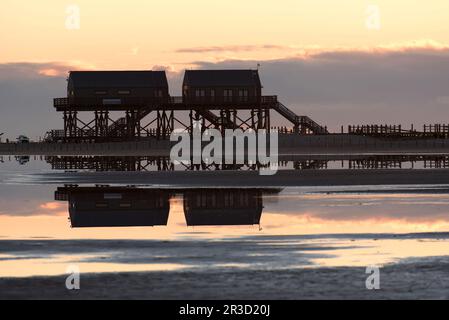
302,124
119,127
216,120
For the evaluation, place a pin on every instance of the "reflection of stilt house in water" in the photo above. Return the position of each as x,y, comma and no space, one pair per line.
115,206
223,207
105,206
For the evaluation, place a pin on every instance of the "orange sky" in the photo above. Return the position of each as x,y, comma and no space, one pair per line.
41,41
175,33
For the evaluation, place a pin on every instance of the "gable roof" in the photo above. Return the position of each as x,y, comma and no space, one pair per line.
217,78
102,79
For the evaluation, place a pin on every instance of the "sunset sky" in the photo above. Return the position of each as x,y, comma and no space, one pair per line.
339,61
143,34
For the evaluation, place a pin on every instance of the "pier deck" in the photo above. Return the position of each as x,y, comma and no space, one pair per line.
288,144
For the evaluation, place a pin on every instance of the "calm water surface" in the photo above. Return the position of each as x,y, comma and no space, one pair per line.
302,227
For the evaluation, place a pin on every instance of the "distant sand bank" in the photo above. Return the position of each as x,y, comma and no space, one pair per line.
283,178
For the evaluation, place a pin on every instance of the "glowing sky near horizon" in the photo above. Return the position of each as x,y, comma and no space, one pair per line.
175,33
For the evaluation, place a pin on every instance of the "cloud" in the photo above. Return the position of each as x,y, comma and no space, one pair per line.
233,48
26,92
36,69
395,85
443,100
313,51
52,205
400,83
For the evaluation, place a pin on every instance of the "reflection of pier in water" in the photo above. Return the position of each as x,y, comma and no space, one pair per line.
99,163
107,206
150,163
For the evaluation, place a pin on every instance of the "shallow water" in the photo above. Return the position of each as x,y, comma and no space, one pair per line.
299,227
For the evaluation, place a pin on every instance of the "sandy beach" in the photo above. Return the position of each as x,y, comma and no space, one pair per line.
420,280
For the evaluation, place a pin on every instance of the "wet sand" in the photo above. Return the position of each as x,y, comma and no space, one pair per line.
283,178
418,278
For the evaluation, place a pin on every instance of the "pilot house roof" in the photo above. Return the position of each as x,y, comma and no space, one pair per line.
111,79
222,78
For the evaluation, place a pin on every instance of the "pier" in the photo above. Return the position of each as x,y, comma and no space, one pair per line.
131,113
288,144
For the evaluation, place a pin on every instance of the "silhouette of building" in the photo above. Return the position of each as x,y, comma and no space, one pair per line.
220,99
222,207
116,88
221,87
